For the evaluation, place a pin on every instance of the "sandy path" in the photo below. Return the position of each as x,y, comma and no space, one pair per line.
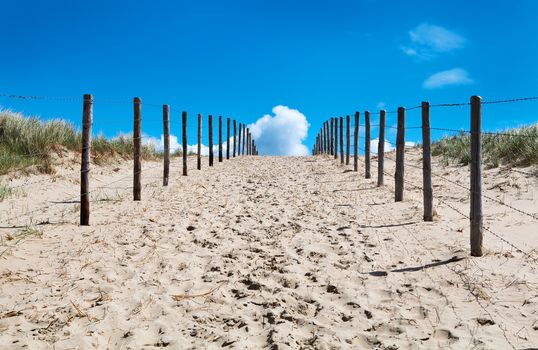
269,253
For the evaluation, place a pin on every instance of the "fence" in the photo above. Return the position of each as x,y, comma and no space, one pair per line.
240,144
331,134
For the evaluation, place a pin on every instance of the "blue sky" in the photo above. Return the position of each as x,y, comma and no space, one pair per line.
240,59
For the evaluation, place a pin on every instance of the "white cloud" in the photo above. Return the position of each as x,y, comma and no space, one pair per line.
380,105
388,146
456,76
176,146
281,134
427,40
374,144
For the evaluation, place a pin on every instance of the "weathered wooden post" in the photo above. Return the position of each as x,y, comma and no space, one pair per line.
235,132
326,138
330,133
356,143
348,134
247,146
239,141
87,117
199,153
247,139
137,143
381,149
426,163
322,140
367,145
210,129
220,139
400,157
227,138
476,176
335,137
185,146
244,140
331,138
341,140
166,133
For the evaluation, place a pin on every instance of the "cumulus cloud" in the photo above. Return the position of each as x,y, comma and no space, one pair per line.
428,40
159,143
456,76
281,134
388,146
375,143
175,146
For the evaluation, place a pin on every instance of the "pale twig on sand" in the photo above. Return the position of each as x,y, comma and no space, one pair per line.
179,297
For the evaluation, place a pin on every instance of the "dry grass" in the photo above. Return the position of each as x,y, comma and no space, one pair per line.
514,147
28,142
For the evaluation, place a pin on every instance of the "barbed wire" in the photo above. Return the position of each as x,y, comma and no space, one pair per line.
521,99
79,195
464,215
531,215
451,104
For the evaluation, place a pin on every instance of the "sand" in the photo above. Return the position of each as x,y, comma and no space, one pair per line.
266,252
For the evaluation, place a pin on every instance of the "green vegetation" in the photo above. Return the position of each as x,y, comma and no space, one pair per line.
517,147
28,142
5,191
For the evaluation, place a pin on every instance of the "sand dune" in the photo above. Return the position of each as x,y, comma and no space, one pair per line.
266,252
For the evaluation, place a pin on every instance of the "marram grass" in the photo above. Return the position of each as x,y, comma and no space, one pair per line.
512,147
28,142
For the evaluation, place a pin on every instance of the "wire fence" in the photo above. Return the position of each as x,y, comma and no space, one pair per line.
338,135
226,139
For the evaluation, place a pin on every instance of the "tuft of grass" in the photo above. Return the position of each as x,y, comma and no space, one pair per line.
5,191
514,147
30,142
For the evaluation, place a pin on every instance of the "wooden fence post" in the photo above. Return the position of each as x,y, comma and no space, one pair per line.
335,137
331,137
381,149
87,117
235,132
426,163
185,146
348,134
199,155
356,143
322,140
166,132
326,144
248,142
227,138
367,142
220,139
210,130
476,176
137,143
244,140
341,140
400,157
239,140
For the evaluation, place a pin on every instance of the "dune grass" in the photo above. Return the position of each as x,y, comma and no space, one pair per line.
28,142
512,147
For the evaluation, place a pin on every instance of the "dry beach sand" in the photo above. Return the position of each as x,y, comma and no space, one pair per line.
266,253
